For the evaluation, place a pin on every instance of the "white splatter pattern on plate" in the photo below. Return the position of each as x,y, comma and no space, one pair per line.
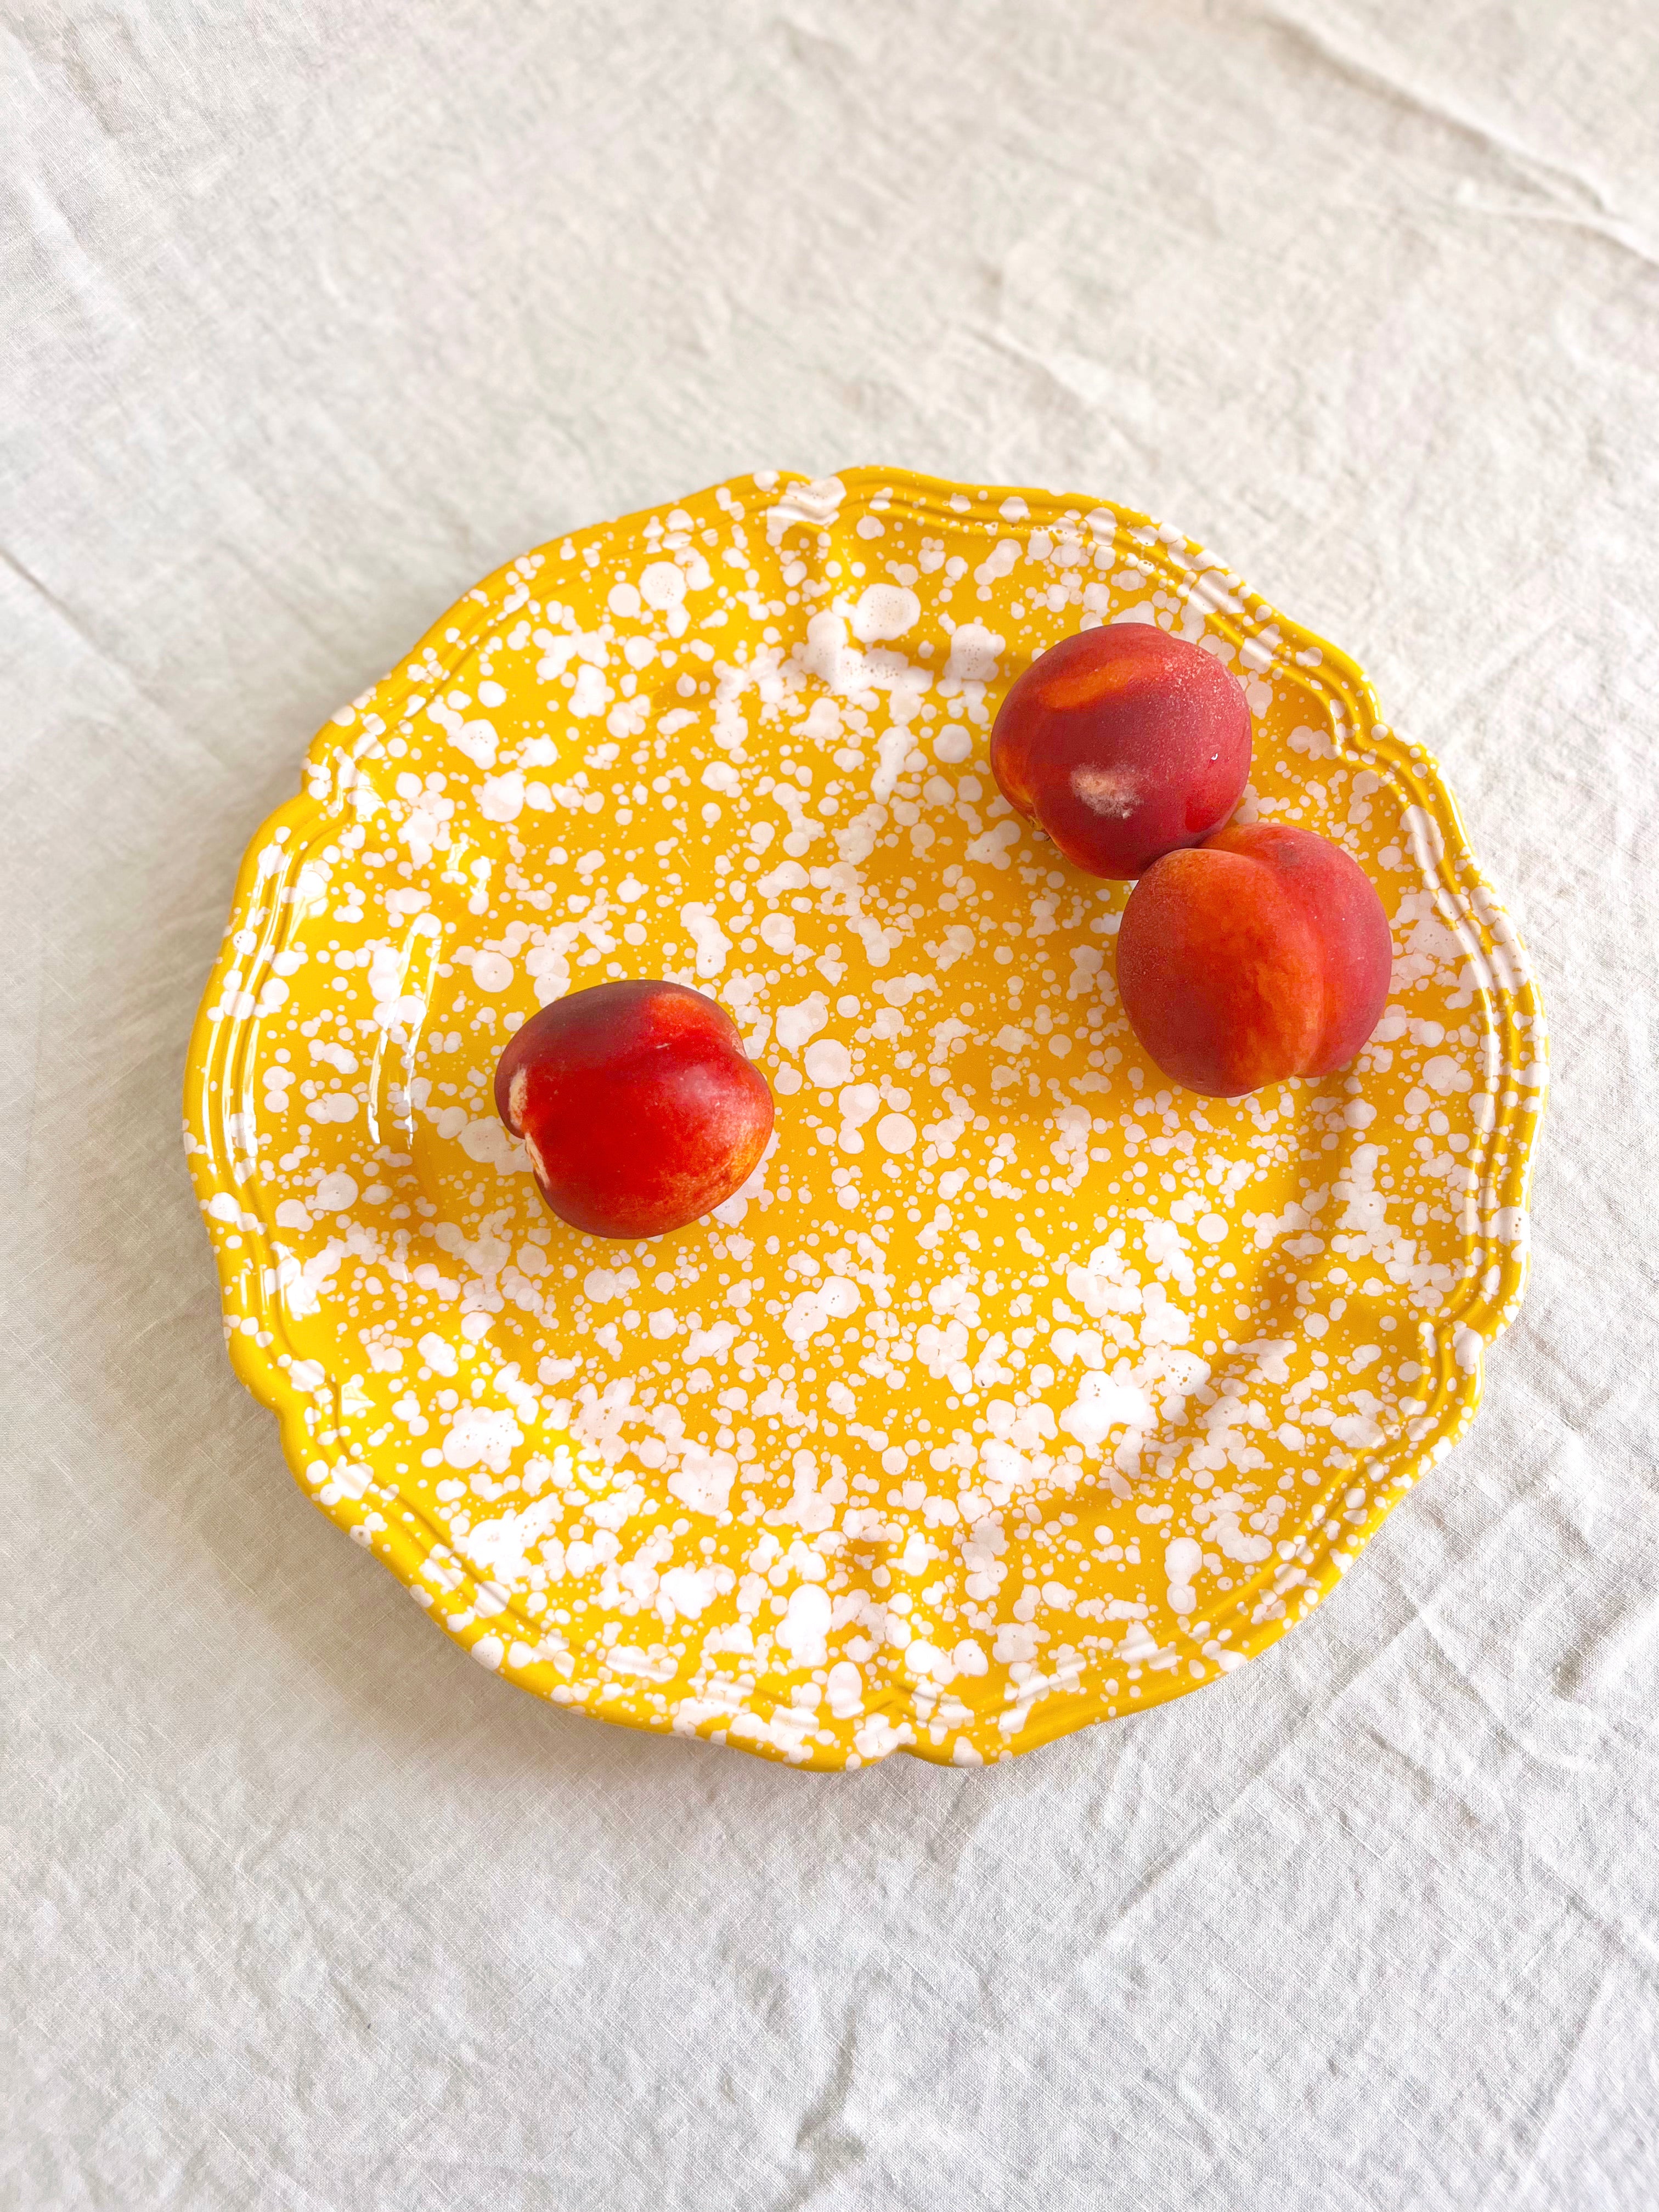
1018,1389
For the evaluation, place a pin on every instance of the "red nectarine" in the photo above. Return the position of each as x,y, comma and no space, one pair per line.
637,1104
1123,743
1262,953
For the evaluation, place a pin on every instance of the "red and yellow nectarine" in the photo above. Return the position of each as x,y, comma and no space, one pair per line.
1262,953
637,1104
1123,743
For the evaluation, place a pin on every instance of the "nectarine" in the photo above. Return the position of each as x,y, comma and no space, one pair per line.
1261,953
1123,743
637,1105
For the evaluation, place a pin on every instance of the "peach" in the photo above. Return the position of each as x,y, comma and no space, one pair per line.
637,1104
1122,742
1261,953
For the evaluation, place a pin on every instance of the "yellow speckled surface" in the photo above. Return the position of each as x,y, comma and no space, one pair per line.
1019,1390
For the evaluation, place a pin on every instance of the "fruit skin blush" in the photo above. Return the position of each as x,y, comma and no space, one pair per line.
638,1108
1123,743
1262,953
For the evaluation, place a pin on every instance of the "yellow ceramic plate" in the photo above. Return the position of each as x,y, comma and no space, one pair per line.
1018,1389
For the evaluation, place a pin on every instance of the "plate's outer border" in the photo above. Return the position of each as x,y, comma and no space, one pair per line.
1495,1219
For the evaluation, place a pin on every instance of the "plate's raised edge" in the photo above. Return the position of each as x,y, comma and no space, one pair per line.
216,1097
220,1053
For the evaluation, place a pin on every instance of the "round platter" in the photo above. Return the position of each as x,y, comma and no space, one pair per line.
1018,1389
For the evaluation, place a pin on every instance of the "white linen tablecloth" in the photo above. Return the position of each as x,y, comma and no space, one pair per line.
312,313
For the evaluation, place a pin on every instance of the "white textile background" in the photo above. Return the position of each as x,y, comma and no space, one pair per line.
309,315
